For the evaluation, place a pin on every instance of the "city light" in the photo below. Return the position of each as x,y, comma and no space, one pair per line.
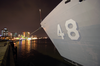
29,39
16,36
34,38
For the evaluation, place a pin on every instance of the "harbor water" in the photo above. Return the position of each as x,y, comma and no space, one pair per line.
38,52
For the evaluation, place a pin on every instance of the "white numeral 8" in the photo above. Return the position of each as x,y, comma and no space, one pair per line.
71,28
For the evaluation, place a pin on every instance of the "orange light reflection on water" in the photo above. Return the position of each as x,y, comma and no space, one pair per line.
34,45
23,46
28,45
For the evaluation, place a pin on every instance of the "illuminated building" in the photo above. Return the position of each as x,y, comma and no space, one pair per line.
26,34
34,37
18,35
9,34
4,32
15,34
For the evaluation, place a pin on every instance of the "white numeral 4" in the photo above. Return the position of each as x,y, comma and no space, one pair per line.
59,32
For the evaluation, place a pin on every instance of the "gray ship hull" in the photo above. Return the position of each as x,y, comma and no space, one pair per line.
74,29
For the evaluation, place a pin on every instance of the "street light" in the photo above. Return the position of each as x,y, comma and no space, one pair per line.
40,15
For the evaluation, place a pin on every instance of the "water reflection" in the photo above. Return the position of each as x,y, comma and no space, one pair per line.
43,46
28,45
34,45
23,45
26,51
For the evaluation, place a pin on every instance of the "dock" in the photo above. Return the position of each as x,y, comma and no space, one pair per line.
6,54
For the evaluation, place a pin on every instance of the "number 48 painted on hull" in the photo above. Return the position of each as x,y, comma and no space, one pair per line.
71,28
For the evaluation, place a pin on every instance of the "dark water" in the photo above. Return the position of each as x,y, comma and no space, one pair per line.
36,53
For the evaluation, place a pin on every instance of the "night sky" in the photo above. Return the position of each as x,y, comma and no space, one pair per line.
23,15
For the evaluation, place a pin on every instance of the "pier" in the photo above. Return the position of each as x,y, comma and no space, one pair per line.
6,54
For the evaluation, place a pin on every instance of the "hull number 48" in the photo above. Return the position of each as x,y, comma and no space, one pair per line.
71,28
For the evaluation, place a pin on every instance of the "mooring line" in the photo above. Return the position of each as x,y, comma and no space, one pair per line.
36,30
